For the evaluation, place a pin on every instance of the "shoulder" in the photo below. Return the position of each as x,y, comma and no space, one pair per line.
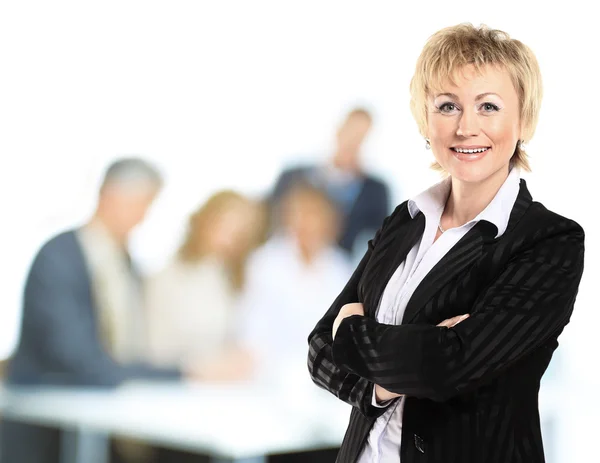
271,251
173,270
59,261
60,242
375,183
547,238
337,256
63,247
400,214
296,171
540,223
179,270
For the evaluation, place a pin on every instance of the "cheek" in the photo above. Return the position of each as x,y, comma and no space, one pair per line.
502,131
441,127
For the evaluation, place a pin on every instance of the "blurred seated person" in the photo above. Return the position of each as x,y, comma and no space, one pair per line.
362,199
81,314
191,301
290,279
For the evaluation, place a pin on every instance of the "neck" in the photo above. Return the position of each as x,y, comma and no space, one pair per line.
351,169
99,221
467,200
307,254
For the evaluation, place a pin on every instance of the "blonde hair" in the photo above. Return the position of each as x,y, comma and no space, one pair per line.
451,49
196,244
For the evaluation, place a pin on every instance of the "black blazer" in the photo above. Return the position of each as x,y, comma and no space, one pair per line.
366,214
472,390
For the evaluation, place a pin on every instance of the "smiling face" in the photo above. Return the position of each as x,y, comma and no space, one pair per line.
473,124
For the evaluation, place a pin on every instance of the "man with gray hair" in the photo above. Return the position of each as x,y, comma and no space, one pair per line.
81,321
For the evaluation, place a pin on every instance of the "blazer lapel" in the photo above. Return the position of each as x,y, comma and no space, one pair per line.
390,252
460,257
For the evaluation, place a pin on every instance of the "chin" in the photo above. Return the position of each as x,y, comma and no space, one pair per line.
475,175
470,174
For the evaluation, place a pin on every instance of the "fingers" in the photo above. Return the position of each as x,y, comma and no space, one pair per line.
450,322
383,395
354,308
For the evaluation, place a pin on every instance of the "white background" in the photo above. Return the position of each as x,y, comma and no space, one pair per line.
223,94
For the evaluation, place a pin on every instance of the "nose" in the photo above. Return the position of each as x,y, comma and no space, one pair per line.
468,125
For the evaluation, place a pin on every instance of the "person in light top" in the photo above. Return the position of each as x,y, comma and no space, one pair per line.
289,278
191,303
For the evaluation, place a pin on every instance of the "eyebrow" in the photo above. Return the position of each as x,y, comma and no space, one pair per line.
479,97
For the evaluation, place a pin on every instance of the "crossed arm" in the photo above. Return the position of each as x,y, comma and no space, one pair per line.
356,308
528,304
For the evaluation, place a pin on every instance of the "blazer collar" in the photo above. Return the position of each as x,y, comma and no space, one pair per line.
522,203
433,200
462,255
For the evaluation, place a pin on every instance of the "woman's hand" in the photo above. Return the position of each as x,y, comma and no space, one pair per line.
450,322
383,395
355,308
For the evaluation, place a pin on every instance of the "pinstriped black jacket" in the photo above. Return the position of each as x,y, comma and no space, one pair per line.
472,390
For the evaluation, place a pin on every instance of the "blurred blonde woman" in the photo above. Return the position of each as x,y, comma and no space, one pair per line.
191,301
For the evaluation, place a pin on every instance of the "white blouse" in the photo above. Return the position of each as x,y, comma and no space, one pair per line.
384,440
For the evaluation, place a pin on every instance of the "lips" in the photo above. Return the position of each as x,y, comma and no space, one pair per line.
470,150
470,154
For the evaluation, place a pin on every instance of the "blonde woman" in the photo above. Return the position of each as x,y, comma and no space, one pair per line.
191,301
442,334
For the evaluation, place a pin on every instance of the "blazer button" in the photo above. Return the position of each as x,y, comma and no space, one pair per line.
419,443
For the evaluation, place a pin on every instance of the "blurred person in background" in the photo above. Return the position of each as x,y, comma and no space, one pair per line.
191,302
361,199
289,278
82,322
441,336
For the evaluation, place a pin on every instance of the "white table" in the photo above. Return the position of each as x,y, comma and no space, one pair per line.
229,423
232,424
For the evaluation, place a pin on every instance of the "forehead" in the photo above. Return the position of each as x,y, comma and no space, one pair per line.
469,81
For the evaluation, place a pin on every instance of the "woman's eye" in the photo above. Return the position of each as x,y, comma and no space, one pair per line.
447,107
489,107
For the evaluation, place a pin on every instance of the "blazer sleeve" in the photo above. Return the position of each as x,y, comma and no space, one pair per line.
529,303
347,386
62,323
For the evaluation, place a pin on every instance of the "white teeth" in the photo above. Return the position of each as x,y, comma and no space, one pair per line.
470,151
